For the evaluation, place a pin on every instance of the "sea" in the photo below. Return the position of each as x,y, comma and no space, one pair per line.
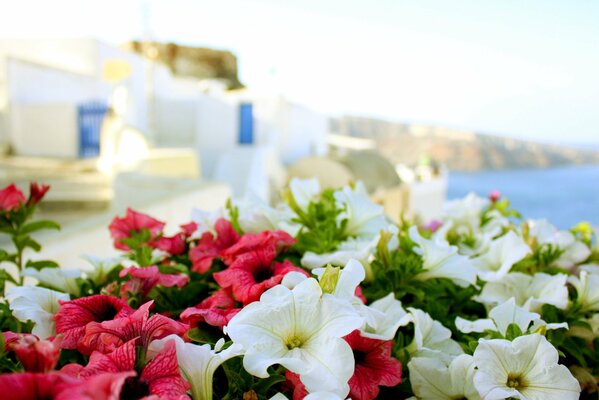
563,195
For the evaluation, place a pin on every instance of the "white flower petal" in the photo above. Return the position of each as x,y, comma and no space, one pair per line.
509,313
440,260
432,379
61,279
384,317
529,359
502,254
37,304
364,218
480,325
304,191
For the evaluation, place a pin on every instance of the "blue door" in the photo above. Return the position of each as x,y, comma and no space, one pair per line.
89,118
246,123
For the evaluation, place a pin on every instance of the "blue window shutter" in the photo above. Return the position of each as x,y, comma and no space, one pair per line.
89,119
246,123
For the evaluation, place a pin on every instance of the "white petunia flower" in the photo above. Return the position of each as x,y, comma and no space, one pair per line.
530,292
526,368
365,219
382,318
302,330
37,304
465,213
101,267
440,260
587,289
304,191
542,232
352,248
63,280
431,338
502,316
432,379
198,363
502,254
256,216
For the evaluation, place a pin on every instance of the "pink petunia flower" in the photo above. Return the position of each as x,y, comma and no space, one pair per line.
270,241
74,315
216,310
144,279
108,335
189,228
160,377
253,273
106,386
210,247
133,222
36,355
35,386
174,245
37,192
494,196
11,198
374,366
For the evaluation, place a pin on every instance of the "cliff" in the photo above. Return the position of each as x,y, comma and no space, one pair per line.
457,149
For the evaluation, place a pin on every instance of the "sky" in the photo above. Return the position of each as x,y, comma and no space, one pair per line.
528,69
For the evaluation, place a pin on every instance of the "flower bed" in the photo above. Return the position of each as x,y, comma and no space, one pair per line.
320,297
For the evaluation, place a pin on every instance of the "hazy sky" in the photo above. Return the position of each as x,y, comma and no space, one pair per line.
523,68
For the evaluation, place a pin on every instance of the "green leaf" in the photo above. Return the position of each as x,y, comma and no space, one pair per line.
513,331
264,384
38,226
173,269
40,264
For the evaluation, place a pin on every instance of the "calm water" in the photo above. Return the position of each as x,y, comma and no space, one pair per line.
564,195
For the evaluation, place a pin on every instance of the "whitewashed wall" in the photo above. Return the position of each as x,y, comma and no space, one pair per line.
48,130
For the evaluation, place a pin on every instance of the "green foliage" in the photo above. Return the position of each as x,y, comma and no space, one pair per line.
398,272
541,260
234,216
16,225
236,381
320,233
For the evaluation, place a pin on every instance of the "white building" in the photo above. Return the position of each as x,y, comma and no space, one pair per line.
238,138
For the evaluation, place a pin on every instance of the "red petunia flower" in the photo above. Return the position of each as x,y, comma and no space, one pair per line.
74,315
36,192
106,386
133,222
36,355
189,228
374,366
271,241
209,247
108,335
11,198
253,273
160,377
216,310
173,245
294,383
145,279
35,386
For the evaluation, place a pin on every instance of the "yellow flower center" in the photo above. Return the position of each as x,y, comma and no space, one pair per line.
516,382
294,342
